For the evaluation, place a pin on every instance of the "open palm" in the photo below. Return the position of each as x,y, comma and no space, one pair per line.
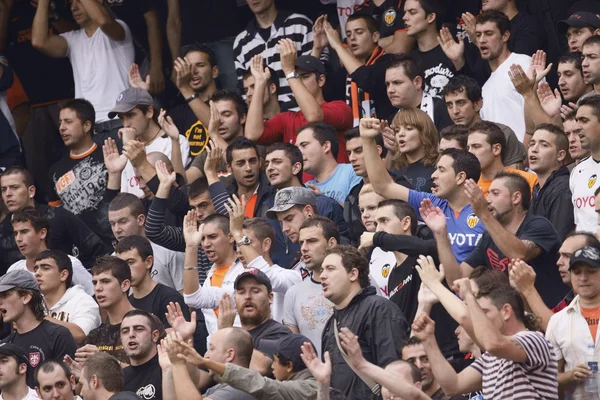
320,370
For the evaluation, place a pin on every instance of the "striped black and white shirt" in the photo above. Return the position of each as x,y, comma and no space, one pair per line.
249,43
537,378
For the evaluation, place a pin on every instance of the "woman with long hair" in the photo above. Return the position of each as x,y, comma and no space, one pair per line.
417,143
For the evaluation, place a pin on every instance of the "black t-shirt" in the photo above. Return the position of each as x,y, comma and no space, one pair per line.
79,185
388,15
270,330
47,341
525,37
145,380
44,79
438,69
418,175
108,339
440,395
157,300
540,231
404,283
190,127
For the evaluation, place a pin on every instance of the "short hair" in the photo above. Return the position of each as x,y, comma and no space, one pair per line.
18,170
352,259
415,373
592,101
323,133
401,210
427,134
230,95
222,221
460,133
242,342
412,67
486,278
516,183
240,143
35,217
117,267
572,58
62,260
560,138
327,226
594,39
261,229
151,320
291,151
463,161
107,369
48,366
198,187
434,7
202,48
372,24
497,17
354,133
83,109
500,295
590,238
570,116
412,341
127,200
139,243
492,132
464,83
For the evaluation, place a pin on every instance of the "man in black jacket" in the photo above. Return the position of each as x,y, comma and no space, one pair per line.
547,151
68,233
379,324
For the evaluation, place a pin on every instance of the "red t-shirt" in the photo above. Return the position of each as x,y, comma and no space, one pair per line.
283,126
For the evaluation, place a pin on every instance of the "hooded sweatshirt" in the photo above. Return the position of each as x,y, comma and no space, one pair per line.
77,307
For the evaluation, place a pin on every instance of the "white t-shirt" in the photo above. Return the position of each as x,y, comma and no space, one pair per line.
345,8
81,276
501,101
79,308
168,267
31,395
306,309
129,183
583,183
100,67
380,266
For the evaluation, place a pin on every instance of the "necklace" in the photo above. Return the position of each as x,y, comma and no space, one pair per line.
154,138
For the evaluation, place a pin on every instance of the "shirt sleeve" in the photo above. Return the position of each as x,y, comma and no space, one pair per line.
288,309
415,198
82,277
86,315
551,337
176,269
274,129
337,114
173,298
541,232
169,237
281,279
206,297
63,344
537,349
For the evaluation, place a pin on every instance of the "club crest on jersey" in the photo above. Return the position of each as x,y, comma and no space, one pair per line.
389,16
385,271
592,180
35,358
472,220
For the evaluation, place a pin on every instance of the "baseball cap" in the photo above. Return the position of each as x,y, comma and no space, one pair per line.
287,347
18,279
310,64
589,256
578,20
10,349
258,276
129,99
290,197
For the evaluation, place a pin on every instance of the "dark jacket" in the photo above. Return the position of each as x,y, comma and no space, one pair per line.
67,233
553,201
382,330
177,203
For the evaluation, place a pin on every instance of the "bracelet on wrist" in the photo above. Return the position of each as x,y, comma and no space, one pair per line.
189,268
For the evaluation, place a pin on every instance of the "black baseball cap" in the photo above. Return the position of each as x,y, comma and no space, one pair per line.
10,349
579,19
310,64
130,99
18,279
257,275
589,256
287,347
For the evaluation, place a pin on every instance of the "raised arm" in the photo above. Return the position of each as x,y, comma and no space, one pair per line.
53,46
379,177
193,237
347,59
166,123
523,277
115,164
454,51
100,15
183,73
174,28
157,76
235,209
398,43
255,123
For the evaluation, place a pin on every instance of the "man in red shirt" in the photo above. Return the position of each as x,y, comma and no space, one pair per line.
306,77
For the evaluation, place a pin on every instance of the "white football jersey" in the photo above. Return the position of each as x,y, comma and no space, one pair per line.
584,180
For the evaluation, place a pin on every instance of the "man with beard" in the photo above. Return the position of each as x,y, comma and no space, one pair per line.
589,63
306,310
512,233
571,81
140,335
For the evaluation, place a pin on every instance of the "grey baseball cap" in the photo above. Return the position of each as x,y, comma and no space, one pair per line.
290,197
18,279
129,99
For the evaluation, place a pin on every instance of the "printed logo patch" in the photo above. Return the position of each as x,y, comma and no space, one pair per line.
389,16
592,180
472,220
35,358
385,271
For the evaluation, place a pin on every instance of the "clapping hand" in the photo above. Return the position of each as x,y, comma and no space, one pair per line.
288,53
189,354
165,177
350,344
433,216
135,78
236,209
226,312
537,69
476,198
260,73
321,371
178,322
191,233
454,50
166,123
115,163
549,100
423,327
183,73
430,276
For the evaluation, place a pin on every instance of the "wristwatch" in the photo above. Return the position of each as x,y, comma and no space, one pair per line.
292,75
245,241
